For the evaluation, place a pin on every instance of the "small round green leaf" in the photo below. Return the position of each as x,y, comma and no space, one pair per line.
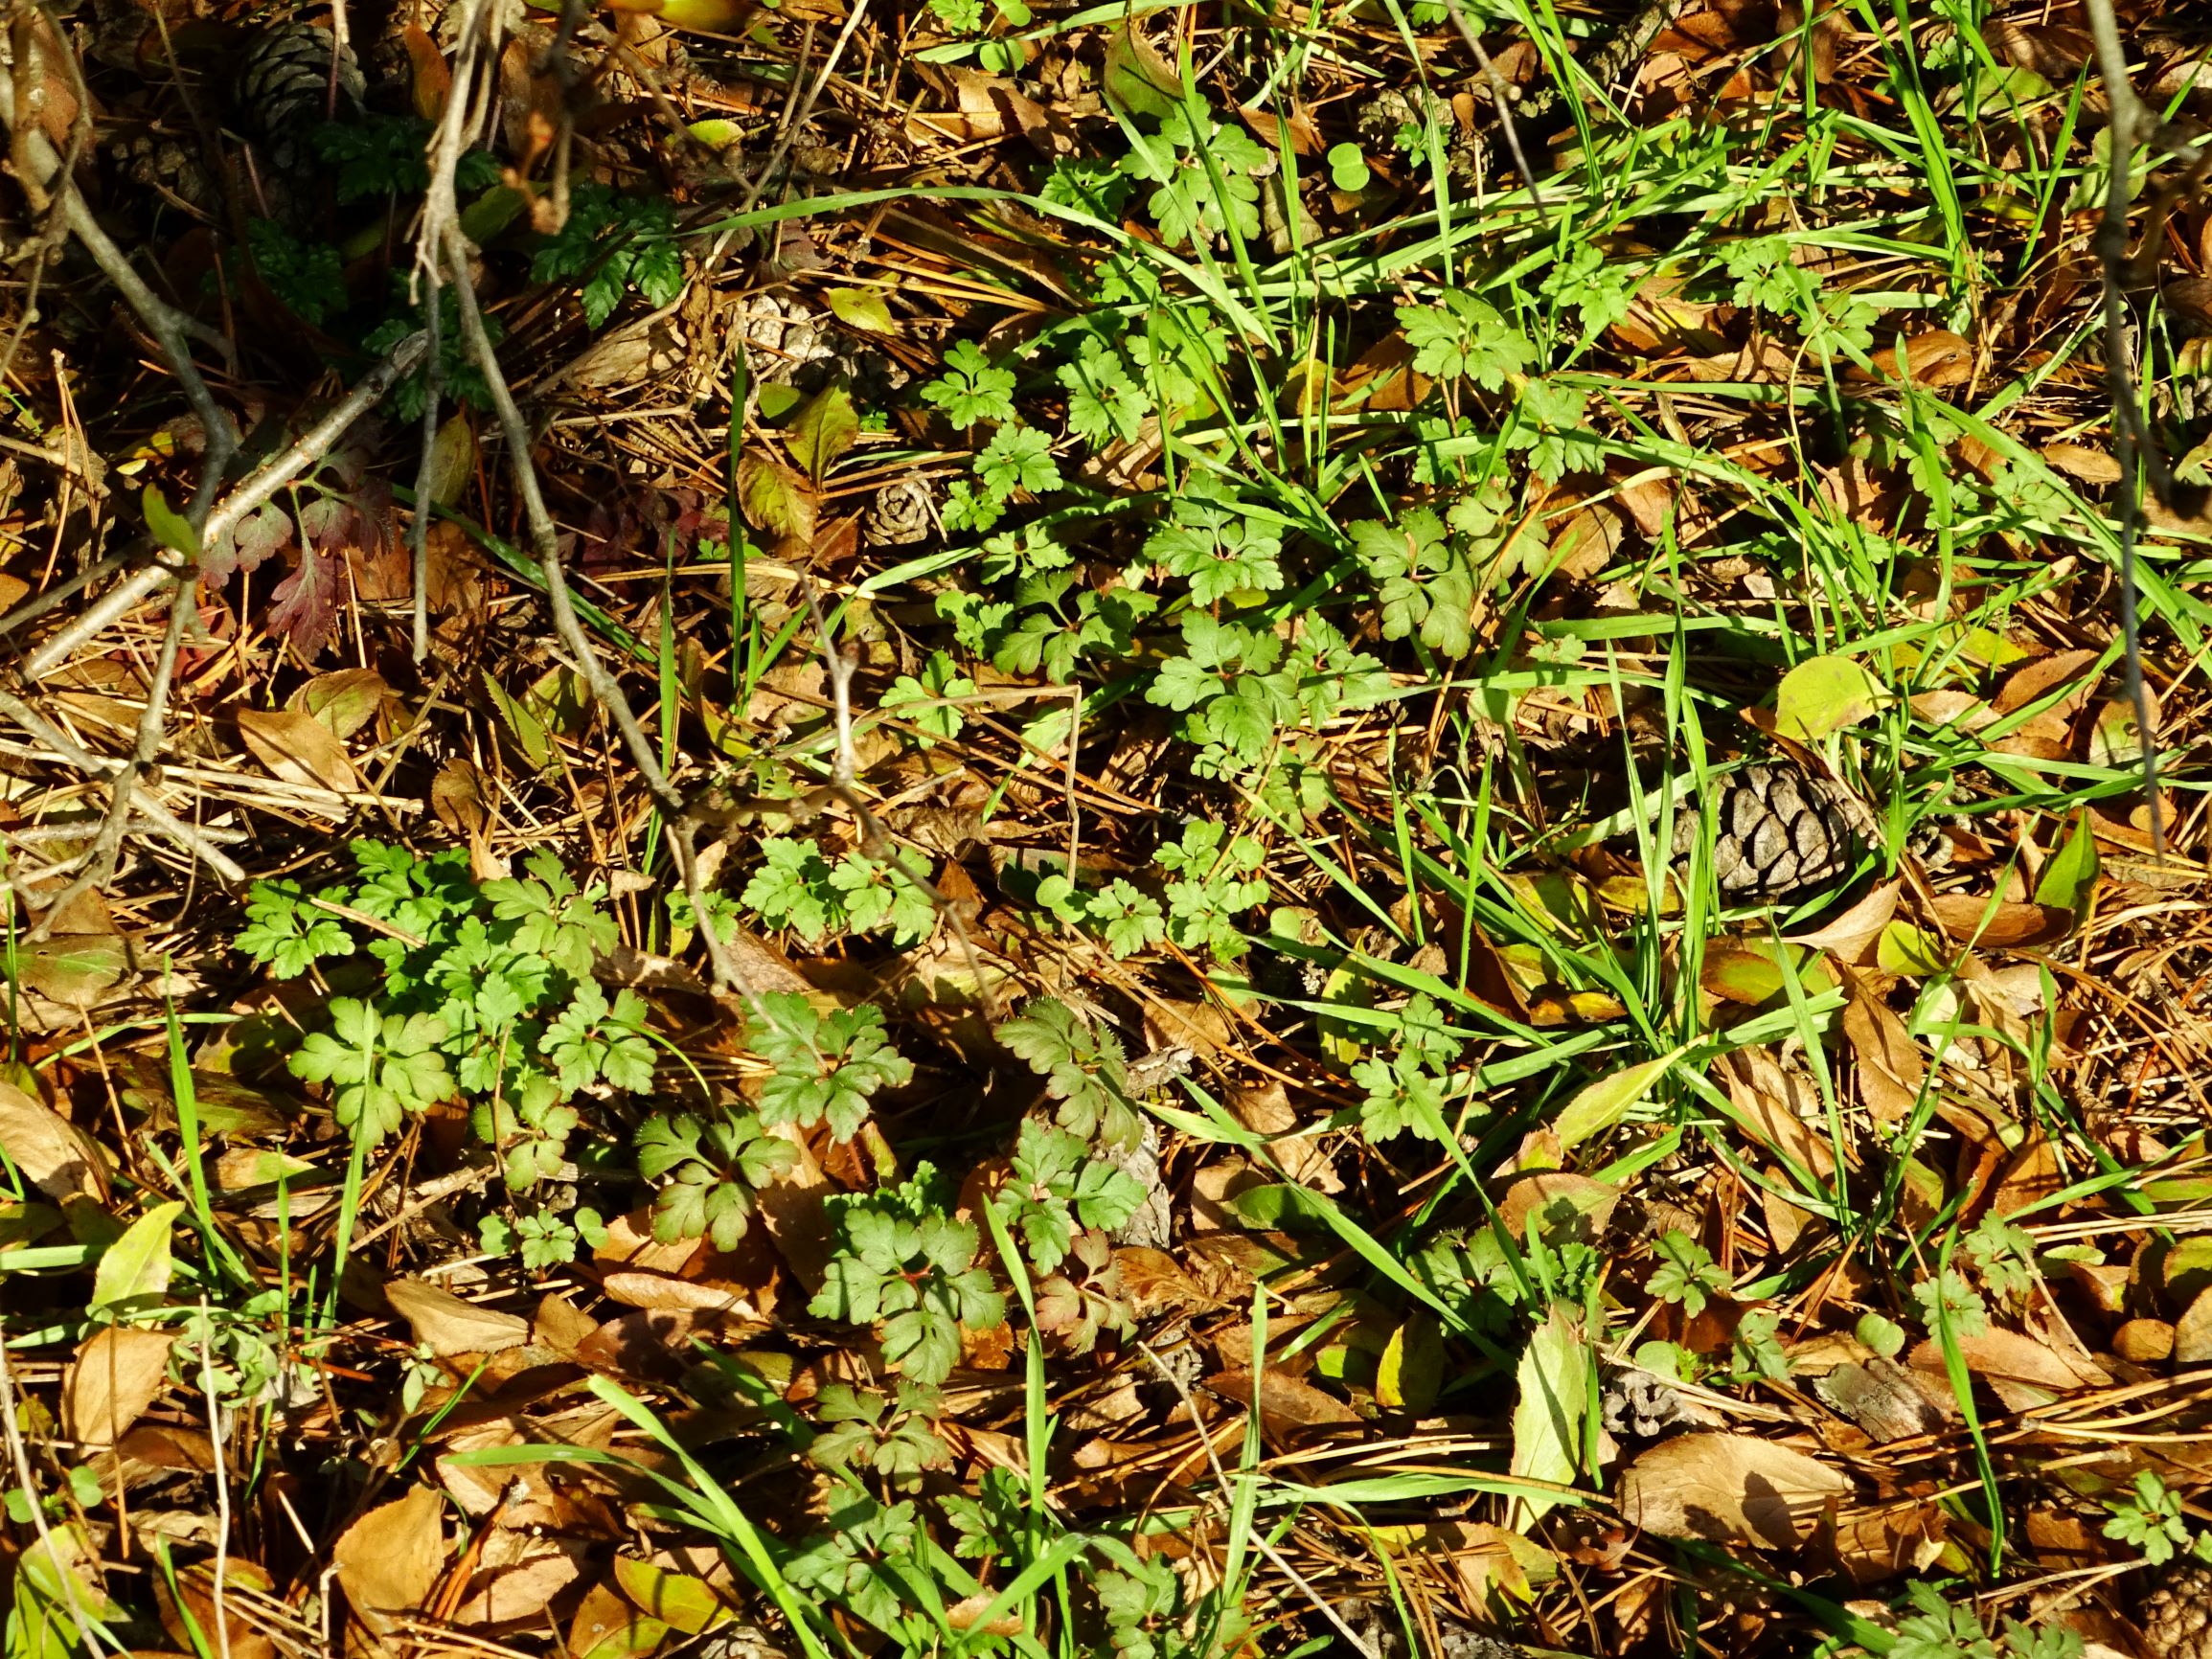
1825,694
1348,168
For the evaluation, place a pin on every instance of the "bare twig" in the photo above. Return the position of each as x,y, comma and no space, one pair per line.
192,840
311,447
48,176
153,723
805,108
418,527
222,1488
1502,96
2131,441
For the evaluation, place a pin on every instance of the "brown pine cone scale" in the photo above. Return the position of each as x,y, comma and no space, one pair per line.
2177,1616
1777,830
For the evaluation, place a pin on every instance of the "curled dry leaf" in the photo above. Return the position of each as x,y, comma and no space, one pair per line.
298,748
116,1375
449,1325
518,1575
1286,1405
388,1560
50,1150
1729,1488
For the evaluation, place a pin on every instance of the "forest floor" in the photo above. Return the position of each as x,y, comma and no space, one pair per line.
862,827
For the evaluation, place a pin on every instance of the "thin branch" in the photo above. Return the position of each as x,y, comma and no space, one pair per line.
418,527
805,108
1501,95
2132,442
311,447
185,835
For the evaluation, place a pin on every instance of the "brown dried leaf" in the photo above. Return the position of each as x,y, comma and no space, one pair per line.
1728,1488
195,1588
50,1150
450,1326
117,1373
298,748
1850,935
1286,1404
518,1575
388,1560
2009,1357
1876,1545
661,1293
1889,1068
2004,926
1777,1107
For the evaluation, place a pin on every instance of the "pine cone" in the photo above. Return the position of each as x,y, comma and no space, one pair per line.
283,89
902,514
1777,830
2176,1618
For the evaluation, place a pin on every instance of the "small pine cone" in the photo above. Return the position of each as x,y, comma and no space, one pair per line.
1777,830
1383,116
283,89
161,164
2176,1618
902,514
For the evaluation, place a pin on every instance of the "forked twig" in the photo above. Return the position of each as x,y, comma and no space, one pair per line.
311,447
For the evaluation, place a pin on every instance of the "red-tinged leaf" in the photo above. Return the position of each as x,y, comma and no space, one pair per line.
305,607
247,545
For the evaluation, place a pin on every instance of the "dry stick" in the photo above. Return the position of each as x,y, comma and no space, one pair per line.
2131,433
56,230
803,110
1502,96
152,724
545,547
222,1488
440,208
61,592
169,325
185,835
418,527
280,470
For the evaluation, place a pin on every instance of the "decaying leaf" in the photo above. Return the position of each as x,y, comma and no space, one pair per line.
117,1373
388,1561
1729,1488
447,1325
